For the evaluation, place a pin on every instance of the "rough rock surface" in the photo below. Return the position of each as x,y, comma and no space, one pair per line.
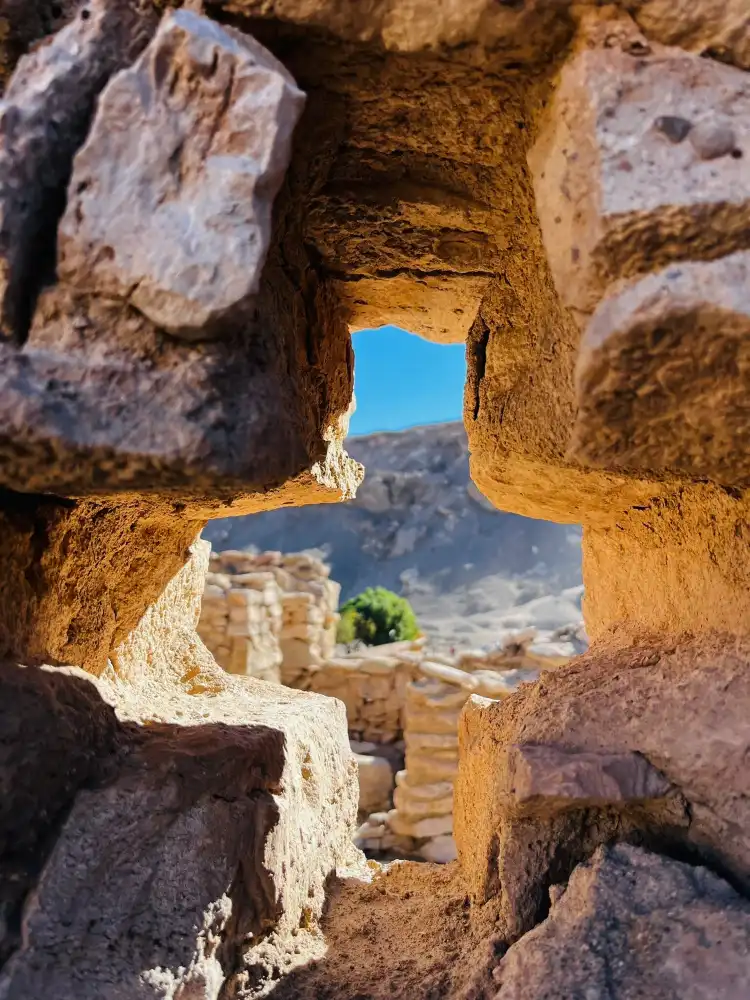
640,567
662,374
214,809
624,174
691,929
254,420
685,717
77,577
175,856
171,195
44,116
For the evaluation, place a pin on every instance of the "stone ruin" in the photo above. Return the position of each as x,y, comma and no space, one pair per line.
270,616
197,206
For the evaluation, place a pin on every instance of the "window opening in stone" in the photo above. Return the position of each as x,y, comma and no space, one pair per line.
497,596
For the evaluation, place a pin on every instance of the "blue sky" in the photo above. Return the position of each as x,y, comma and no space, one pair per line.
401,380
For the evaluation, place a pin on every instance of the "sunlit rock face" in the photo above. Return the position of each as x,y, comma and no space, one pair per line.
562,186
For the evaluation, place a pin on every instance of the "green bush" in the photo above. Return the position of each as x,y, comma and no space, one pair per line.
375,617
346,633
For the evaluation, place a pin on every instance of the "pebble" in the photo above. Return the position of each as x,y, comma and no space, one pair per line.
674,128
711,140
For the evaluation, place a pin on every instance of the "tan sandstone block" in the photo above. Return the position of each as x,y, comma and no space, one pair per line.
663,373
432,826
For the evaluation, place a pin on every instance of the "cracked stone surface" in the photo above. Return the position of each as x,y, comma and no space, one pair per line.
170,200
692,930
169,830
44,116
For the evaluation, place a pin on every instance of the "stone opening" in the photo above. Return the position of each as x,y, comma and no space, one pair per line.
519,176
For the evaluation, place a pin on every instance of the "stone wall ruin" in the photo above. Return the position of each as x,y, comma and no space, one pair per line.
270,616
197,205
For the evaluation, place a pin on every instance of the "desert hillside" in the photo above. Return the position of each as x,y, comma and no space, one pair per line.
420,527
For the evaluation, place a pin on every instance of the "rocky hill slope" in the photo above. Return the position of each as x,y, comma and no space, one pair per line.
421,528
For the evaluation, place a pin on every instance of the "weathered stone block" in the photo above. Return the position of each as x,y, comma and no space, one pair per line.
663,372
641,163
44,116
684,719
170,200
630,923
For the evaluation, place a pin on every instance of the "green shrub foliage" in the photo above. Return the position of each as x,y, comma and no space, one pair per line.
375,617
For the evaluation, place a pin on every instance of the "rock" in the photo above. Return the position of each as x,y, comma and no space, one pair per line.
683,721
440,850
492,684
411,805
132,836
440,743
637,201
712,27
375,783
44,116
432,721
179,222
649,370
691,928
655,548
714,139
430,826
448,675
548,778
429,770
430,791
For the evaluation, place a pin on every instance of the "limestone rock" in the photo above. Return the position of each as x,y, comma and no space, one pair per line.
438,308
641,566
618,192
712,27
663,371
104,566
428,826
631,923
684,719
440,850
375,783
410,803
449,675
44,116
179,222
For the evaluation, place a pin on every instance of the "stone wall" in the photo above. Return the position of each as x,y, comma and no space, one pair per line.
241,615
270,616
195,212
421,821
372,684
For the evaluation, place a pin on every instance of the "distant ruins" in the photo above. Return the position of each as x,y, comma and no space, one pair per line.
274,616
198,204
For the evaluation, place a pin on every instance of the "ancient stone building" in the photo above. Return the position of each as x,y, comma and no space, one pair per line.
270,616
197,206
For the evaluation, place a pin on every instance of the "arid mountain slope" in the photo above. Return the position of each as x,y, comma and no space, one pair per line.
420,527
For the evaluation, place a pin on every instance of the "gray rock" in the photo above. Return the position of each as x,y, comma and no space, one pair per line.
634,926
43,120
171,197
545,776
